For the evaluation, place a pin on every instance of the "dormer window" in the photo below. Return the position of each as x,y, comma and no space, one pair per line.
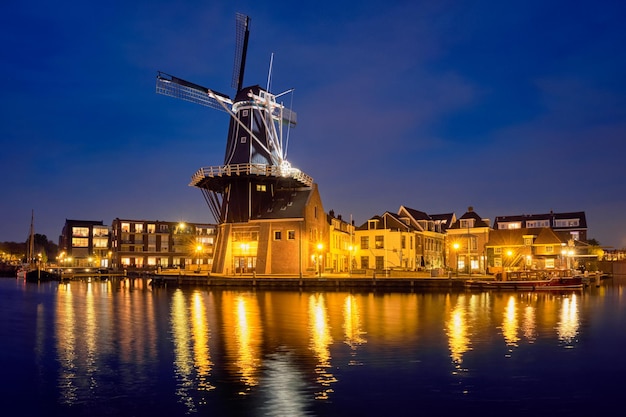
466,223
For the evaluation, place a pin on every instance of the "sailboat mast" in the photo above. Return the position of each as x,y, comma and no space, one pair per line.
31,237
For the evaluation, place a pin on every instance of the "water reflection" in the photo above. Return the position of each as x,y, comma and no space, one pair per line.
457,331
66,345
353,326
284,386
509,323
567,327
287,350
98,337
244,336
321,341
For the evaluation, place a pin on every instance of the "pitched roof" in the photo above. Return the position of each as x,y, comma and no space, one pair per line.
286,204
551,216
446,220
515,237
389,221
470,214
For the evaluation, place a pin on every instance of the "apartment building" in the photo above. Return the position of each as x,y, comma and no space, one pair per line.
154,244
574,224
84,243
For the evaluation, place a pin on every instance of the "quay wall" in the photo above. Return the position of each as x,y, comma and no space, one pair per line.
323,283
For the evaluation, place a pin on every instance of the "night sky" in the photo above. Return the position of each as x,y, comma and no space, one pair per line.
512,107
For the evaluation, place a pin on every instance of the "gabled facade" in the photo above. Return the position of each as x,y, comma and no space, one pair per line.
429,236
410,240
465,244
572,223
528,248
341,250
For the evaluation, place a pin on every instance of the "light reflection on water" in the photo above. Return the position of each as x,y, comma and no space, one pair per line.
290,353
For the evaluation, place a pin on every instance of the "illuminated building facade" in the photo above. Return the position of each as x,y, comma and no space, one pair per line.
342,248
528,248
574,224
84,243
149,244
466,239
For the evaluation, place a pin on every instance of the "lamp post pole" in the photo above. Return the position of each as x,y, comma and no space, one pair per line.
320,247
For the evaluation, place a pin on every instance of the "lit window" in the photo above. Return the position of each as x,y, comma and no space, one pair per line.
80,242
261,187
80,231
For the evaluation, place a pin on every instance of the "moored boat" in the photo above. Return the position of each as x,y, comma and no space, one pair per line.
41,275
531,281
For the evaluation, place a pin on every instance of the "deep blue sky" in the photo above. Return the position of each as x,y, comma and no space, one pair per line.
511,107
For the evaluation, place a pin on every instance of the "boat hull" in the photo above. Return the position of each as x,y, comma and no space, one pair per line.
41,276
567,283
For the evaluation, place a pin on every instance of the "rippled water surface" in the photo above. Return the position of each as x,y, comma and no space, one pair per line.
121,348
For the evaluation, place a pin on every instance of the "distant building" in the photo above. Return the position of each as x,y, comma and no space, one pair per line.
84,243
154,244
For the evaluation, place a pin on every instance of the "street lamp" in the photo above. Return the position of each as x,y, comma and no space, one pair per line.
198,252
320,247
456,257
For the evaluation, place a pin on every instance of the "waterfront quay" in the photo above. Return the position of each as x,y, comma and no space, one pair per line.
313,282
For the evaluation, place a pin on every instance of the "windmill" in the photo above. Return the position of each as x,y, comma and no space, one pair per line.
270,215
255,167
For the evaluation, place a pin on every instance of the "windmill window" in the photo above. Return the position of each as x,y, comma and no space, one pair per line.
244,112
244,139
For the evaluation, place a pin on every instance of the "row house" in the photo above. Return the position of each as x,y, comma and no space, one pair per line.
429,236
342,249
158,244
409,240
466,240
386,242
84,243
529,248
573,224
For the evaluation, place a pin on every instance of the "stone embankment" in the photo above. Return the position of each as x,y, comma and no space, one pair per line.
312,283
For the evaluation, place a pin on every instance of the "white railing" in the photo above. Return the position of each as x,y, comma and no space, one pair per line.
251,169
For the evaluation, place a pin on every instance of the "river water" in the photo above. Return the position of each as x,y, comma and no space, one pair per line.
121,348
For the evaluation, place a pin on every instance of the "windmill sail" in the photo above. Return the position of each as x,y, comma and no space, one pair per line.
242,28
169,85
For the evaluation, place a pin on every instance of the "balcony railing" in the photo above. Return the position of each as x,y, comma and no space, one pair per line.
251,169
